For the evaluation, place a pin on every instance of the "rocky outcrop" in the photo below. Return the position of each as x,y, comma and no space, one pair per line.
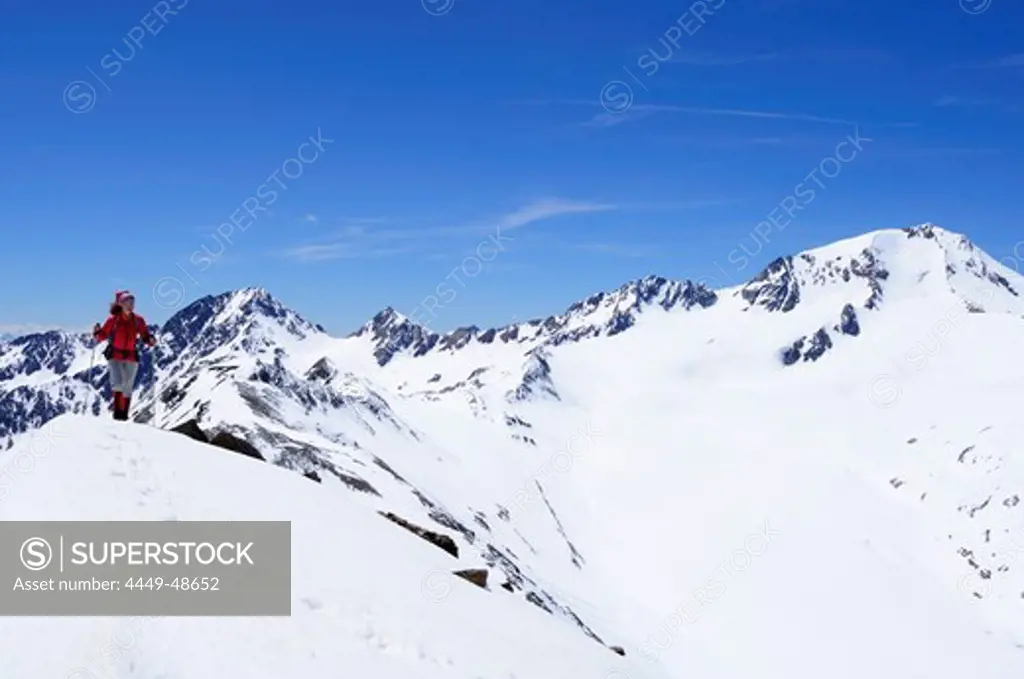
229,441
437,539
192,430
223,439
478,576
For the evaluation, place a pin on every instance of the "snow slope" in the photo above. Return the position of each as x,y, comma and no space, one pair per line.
866,573
368,598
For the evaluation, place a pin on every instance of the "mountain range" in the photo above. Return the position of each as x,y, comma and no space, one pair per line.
853,410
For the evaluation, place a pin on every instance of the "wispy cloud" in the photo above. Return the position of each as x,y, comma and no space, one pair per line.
366,241
937,153
775,115
950,101
1009,61
840,54
309,218
776,142
638,111
704,59
831,53
548,208
323,252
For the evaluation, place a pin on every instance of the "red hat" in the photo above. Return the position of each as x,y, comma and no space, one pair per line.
122,296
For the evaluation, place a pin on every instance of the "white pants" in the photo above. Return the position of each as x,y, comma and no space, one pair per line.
122,376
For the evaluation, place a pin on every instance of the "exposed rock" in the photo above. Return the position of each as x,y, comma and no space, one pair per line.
791,355
436,539
192,430
618,649
848,324
536,382
444,517
807,348
478,576
323,371
312,475
820,343
229,441
534,599
775,288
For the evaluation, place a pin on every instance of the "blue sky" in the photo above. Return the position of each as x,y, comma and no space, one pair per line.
358,155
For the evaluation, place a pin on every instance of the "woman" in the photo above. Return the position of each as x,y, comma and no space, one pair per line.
124,328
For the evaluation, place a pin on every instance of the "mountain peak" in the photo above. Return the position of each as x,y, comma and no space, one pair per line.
251,315
915,263
392,332
388,317
926,230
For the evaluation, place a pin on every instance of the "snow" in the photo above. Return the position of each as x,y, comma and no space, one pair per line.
368,598
861,578
688,496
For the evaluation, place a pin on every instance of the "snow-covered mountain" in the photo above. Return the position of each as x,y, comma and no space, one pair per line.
827,451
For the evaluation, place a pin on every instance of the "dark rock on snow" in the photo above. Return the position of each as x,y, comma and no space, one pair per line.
478,576
436,539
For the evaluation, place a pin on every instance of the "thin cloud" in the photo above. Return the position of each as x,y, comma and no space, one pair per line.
702,59
330,251
745,142
747,113
606,119
834,54
548,208
358,241
837,54
950,101
976,103
1009,61
636,112
937,152
309,218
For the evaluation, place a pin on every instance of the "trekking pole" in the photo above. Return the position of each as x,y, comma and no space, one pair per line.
156,397
155,387
92,362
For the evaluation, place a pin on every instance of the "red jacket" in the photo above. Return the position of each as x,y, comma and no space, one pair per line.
125,333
